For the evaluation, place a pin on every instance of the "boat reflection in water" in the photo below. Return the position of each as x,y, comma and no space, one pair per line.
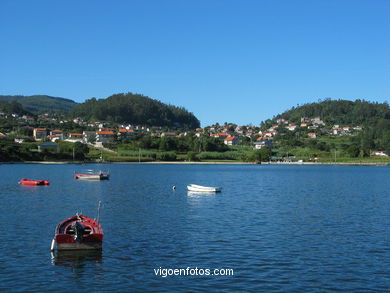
76,259
199,194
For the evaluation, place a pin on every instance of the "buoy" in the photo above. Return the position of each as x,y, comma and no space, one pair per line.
173,187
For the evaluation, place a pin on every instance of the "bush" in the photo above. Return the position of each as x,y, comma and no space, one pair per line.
166,156
256,155
145,155
126,159
191,156
229,155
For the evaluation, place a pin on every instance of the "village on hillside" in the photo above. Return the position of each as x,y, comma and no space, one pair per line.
49,130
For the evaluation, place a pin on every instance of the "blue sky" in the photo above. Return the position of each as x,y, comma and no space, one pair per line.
237,61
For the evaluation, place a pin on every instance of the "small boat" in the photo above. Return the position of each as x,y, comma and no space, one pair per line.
200,188
91,175
78,233
26,181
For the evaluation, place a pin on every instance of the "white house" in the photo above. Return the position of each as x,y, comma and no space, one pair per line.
231,140
39,133
318,121
291,126
262,142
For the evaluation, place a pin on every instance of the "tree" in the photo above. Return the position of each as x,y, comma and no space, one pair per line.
166,156
246,140
80,150
353,151
16,107
191,156
265,154
167,144
257,156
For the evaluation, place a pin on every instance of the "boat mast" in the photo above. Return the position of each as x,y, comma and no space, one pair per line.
98,211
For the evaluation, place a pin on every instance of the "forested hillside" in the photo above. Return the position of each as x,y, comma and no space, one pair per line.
357,112
135,109
12,107
372,118
41,103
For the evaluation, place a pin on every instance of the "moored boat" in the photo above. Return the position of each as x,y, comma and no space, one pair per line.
91,175
78,233
26,181
200,188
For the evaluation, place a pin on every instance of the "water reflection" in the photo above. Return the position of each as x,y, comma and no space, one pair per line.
33,188
198,194
76,259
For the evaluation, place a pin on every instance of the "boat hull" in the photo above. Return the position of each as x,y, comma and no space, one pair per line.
79,246
200,188
30,182
92,177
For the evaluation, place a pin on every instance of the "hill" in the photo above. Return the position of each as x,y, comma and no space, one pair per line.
341,112
135,109
41,103
349,128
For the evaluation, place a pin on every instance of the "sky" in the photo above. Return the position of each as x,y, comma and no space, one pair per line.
240,61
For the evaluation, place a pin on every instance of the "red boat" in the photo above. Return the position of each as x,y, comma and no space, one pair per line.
26,181
78,232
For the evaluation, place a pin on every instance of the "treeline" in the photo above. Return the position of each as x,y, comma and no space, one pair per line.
16,152
189,148
139,148
375,137
135,109
181,144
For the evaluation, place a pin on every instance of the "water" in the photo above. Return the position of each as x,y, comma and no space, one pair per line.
280,228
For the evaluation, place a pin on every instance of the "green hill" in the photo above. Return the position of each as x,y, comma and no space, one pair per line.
372,116
341,112
41,103
135,109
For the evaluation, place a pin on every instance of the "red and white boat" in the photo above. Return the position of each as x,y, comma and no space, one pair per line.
90,175
26,181
78,233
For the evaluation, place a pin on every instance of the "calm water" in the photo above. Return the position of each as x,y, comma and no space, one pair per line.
280,228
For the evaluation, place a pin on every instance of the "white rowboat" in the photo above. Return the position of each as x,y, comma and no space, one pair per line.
90,175
200,188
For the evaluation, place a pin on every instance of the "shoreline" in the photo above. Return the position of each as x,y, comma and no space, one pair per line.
206,163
